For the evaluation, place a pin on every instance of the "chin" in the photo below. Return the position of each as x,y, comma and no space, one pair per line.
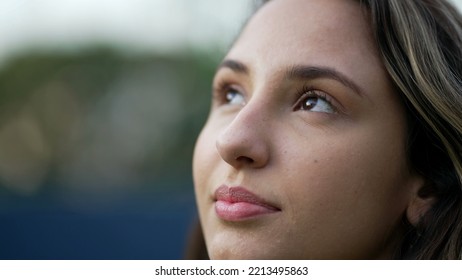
235,249
230,254
226,252
238,249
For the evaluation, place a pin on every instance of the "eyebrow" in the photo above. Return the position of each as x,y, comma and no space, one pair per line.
302,72
234,65
316,72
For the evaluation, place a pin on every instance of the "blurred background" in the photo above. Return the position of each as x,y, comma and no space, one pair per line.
100,105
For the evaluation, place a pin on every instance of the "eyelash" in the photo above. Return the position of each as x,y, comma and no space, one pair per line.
220,95
221,90
307,92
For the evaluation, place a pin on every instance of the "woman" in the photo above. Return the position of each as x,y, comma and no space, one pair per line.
335,133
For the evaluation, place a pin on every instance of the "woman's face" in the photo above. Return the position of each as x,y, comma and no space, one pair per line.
303,154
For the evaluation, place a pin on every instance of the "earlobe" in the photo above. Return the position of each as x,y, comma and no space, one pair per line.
421,201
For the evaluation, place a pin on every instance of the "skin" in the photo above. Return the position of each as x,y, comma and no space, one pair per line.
338,173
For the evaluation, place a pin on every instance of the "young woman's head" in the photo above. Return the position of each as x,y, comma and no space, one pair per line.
335,132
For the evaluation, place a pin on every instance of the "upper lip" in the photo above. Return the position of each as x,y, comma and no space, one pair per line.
240,194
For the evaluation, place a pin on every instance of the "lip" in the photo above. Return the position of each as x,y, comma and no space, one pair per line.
238,204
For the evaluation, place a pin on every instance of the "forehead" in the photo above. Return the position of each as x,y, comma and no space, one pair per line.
333,33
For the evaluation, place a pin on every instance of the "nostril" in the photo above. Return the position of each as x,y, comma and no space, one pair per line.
244,159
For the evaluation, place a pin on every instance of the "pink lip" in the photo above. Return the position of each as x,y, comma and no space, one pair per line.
237,203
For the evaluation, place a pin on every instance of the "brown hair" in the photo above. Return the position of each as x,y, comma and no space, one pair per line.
421,46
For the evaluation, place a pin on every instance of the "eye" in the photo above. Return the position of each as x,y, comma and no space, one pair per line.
234,97
315,101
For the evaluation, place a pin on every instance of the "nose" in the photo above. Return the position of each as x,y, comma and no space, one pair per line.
244,142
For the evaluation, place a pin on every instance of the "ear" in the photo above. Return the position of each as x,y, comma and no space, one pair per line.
421,200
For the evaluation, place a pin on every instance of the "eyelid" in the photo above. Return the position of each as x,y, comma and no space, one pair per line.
223,87
310,91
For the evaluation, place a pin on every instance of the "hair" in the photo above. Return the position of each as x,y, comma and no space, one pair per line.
421,46
420,43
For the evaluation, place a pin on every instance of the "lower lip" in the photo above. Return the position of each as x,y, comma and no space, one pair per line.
239,211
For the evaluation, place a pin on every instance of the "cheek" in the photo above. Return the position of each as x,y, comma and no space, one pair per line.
366,158
205,160
353,190
202,158
349,171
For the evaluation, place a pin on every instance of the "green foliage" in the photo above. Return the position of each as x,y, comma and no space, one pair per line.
99,117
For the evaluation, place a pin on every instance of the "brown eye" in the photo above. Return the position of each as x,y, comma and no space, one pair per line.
309,103
314,101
